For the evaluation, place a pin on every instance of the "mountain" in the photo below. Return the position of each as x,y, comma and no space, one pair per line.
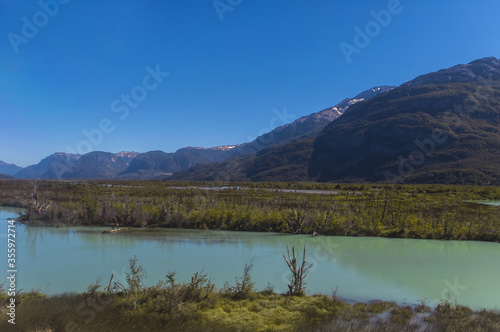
127,156
5,176
100,165
482,70
287,162
445,133
123,165
217,153
441,127
158,164
152,164
306,126
51,167
9,169
280,155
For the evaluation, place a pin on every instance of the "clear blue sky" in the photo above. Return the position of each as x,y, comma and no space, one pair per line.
225,76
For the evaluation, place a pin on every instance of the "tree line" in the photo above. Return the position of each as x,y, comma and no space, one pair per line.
402,211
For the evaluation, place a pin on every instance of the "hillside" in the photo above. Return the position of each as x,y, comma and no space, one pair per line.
307,126
280,155
288,162
481,70
99,165
249,159
430,134
386,138
158,164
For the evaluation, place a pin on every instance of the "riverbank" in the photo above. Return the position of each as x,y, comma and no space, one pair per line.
393,211
197,306
363,268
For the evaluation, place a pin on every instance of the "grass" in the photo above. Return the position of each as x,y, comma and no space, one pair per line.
401,211
147,310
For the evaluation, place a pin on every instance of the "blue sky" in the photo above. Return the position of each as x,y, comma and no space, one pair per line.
230,70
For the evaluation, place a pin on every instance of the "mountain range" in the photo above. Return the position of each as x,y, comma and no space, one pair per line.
441,127
159,164
122,165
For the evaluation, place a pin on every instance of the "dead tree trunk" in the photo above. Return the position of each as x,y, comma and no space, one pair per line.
297,284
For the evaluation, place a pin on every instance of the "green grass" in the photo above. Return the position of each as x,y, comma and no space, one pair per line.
150,311
402,211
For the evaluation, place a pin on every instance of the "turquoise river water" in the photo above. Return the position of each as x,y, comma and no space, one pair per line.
68,259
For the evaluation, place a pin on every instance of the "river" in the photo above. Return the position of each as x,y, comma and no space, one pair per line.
67,259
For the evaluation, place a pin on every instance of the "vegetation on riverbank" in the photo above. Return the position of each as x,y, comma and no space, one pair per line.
402,211
198,306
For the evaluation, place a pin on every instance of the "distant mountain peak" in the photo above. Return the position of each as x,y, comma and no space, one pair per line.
334,112
308,125
128,154
481,69
215,148
51,167
67,155
100,165
9,169
224,147
370,93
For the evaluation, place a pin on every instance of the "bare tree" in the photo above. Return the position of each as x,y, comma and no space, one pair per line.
297,284
34,207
